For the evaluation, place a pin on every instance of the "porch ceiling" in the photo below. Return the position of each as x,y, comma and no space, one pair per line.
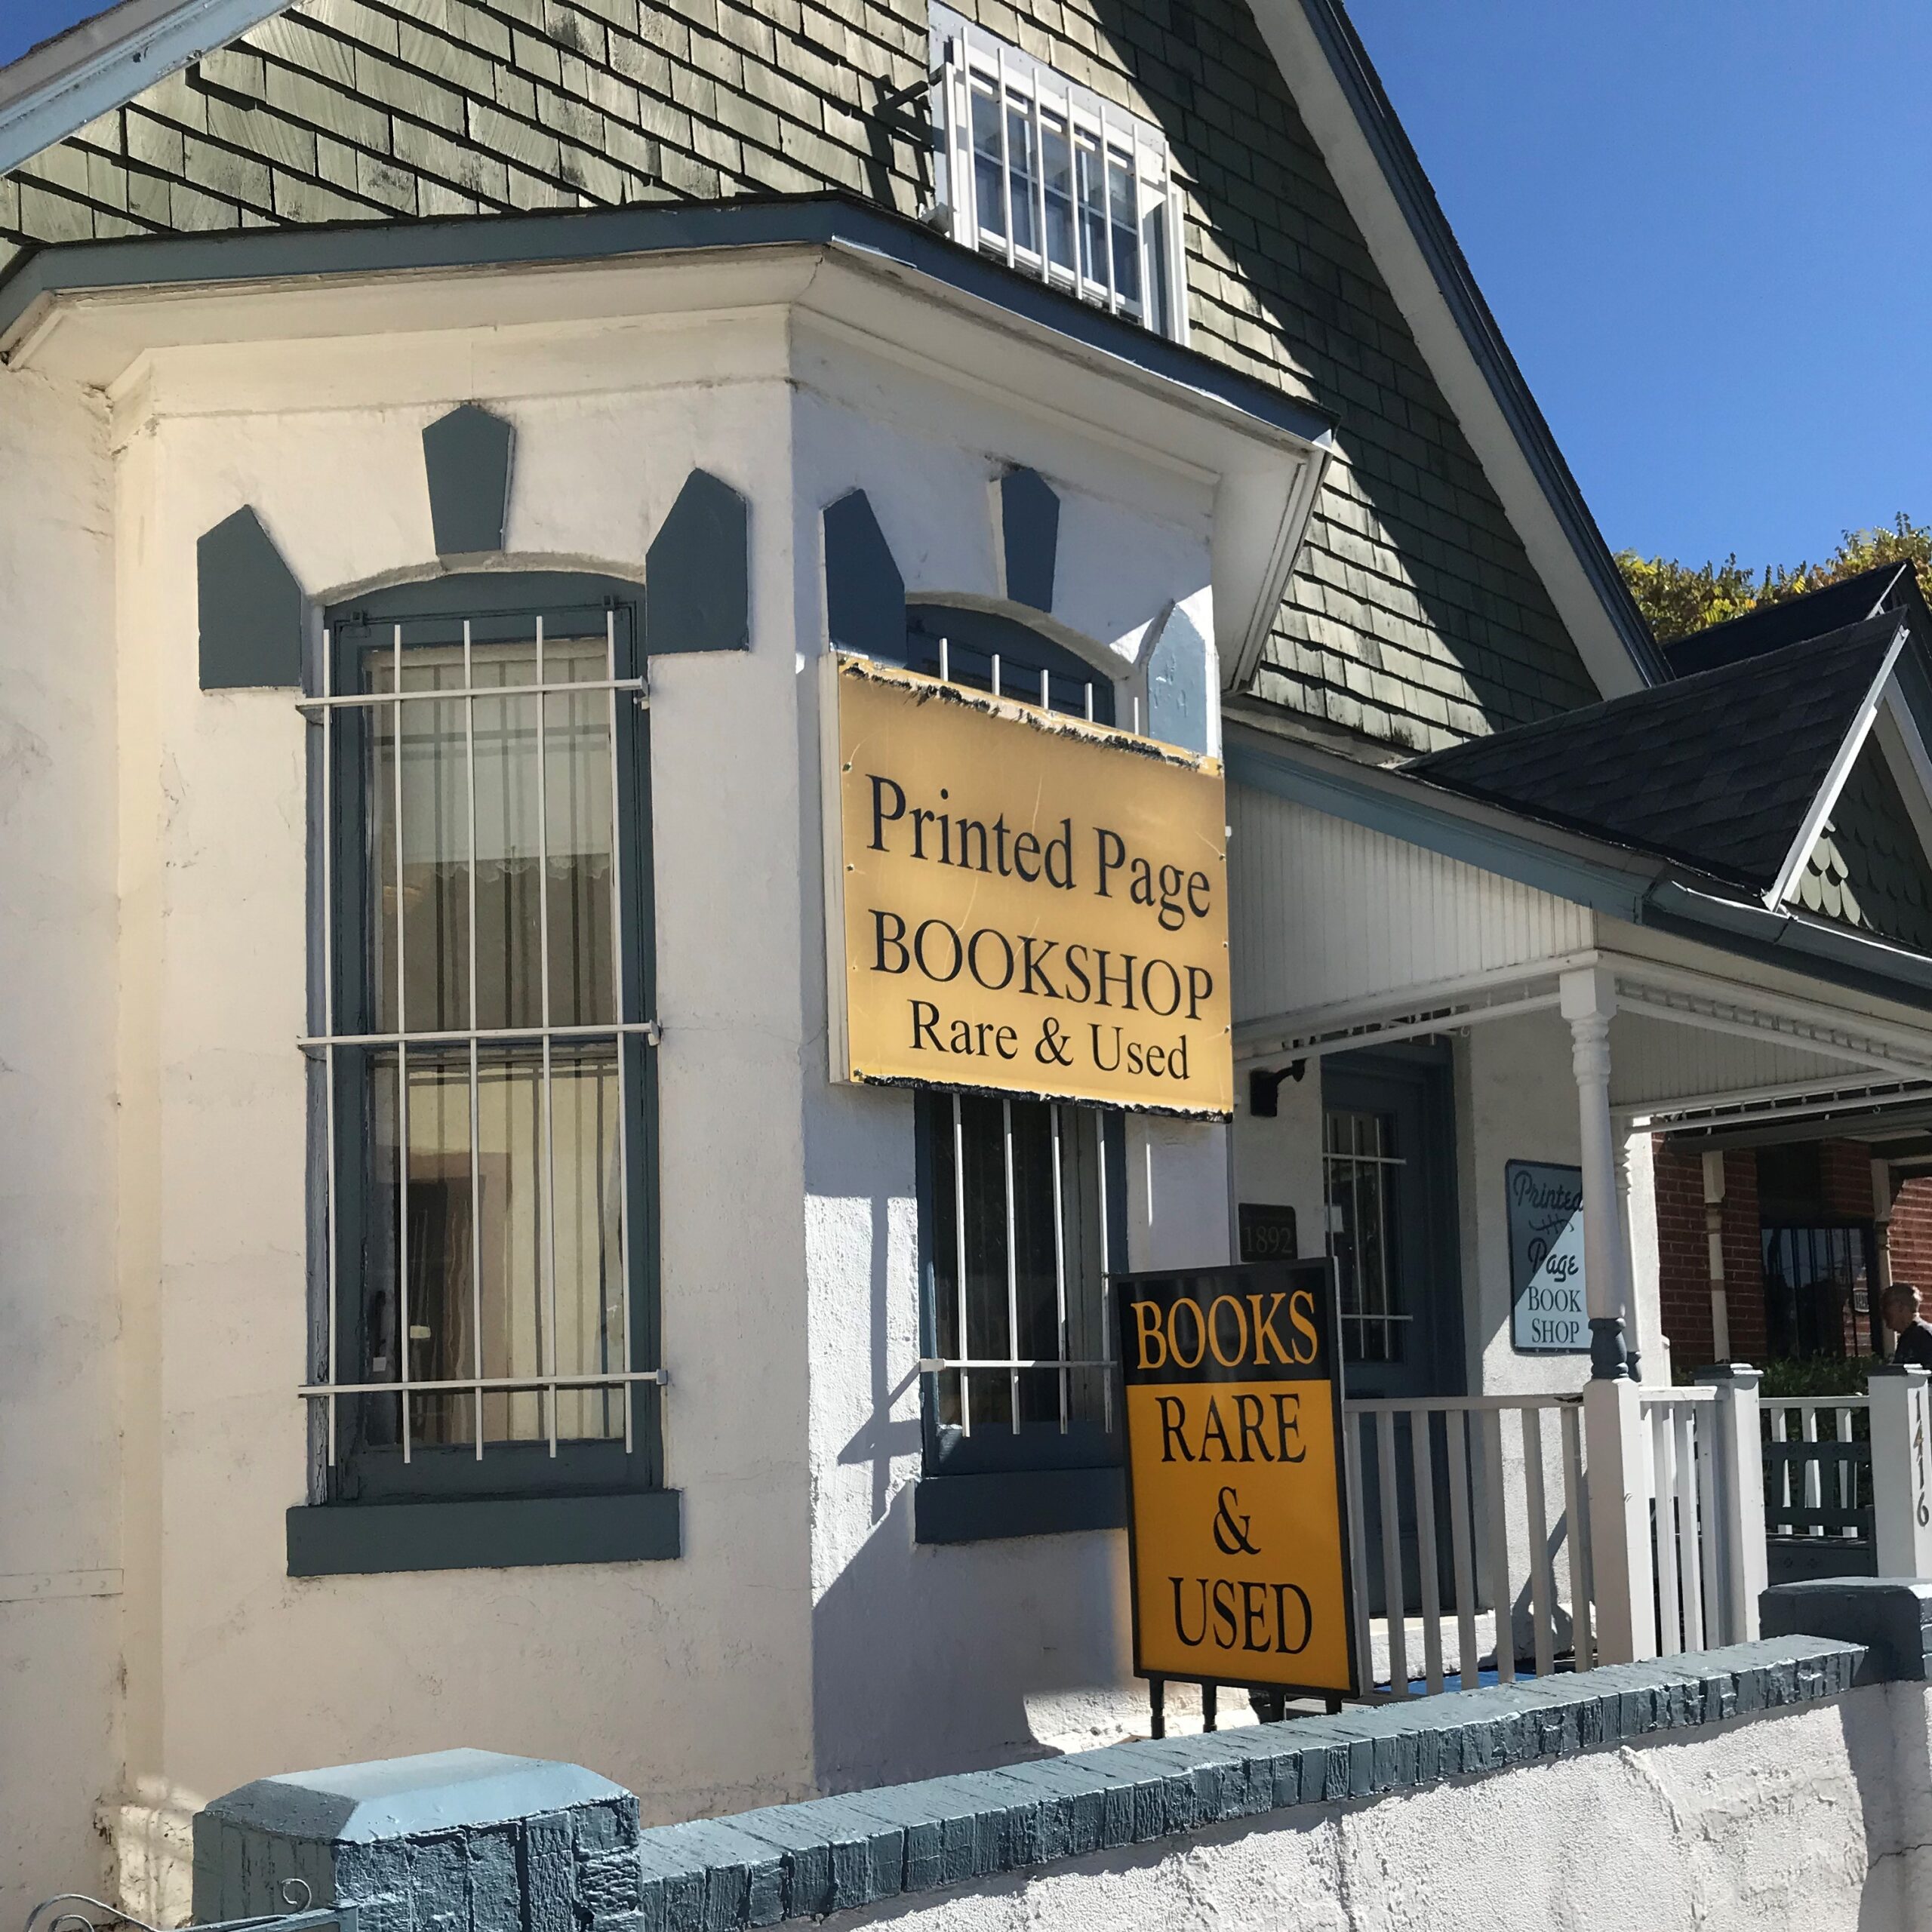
1683,1042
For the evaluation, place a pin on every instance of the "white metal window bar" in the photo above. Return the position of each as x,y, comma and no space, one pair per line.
1362,1169
1002,679
1076,1153
564,690
1051,179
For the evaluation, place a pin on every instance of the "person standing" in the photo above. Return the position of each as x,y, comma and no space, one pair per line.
1899,1306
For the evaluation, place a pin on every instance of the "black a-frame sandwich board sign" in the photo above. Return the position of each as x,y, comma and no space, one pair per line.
1237,1508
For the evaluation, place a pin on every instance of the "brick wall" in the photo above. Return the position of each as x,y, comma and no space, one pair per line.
1684,1256
1416,619
1911,1233
1845,1171
1844,1167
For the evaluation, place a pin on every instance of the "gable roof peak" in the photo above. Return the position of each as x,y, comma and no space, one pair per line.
1721,770
1389,195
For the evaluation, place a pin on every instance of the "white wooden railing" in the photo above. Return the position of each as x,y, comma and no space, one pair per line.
1687,1543
1493,1464
1507,1480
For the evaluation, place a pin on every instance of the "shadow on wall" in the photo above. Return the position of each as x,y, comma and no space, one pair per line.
1407,481
925,1659
1891,1765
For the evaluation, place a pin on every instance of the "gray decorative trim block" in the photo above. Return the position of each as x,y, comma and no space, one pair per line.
865,595
252,610
466,454
483,1533
1180,683
697,572
1029,536
987,1506
1890,1617
459,1839
802,1861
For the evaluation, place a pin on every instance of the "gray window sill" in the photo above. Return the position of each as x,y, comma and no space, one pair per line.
483,1533
1018,1502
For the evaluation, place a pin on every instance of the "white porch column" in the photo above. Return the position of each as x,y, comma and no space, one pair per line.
1589,999
1884,1198
1620,1505
1714,1187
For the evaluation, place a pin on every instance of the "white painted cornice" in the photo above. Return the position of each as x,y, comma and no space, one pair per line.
304,341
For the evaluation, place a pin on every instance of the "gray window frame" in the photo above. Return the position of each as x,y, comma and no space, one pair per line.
496,1490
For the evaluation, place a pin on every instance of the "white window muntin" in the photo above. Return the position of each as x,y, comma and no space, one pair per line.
1032,105
1077,1153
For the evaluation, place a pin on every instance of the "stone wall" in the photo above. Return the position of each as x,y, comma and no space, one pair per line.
1782,1782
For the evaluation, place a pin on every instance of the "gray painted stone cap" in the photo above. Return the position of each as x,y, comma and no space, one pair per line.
1891,1617
407,1798
836,1854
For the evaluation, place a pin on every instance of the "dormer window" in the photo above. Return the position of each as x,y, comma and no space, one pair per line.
1053,180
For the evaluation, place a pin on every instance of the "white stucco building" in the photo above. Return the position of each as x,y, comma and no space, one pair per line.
451,1298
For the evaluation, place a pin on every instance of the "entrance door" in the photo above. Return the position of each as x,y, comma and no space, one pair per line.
1389,1165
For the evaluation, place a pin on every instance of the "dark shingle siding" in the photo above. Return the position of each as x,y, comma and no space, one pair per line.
347,109
1881,859
1416,618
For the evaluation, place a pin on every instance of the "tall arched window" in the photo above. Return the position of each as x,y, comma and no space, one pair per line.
481,1033
983,648
1021,1215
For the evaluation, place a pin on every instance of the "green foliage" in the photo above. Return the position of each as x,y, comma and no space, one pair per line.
1816,1375
1678,598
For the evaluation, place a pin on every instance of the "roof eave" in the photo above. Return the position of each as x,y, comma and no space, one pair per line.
1590,872
1639,887
1387,192
1793,940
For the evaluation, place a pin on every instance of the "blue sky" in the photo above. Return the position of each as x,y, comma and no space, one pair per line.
1699,223
24,22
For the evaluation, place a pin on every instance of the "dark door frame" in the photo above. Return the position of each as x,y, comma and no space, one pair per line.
1424,1074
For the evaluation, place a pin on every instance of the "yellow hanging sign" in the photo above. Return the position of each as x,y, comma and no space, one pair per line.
1237,1530
1022,902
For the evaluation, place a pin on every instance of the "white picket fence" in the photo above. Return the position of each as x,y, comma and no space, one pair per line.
1687,1545
1493,1465
1506,1480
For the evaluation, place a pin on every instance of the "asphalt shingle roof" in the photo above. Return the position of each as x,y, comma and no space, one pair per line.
1718,770
1816,614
